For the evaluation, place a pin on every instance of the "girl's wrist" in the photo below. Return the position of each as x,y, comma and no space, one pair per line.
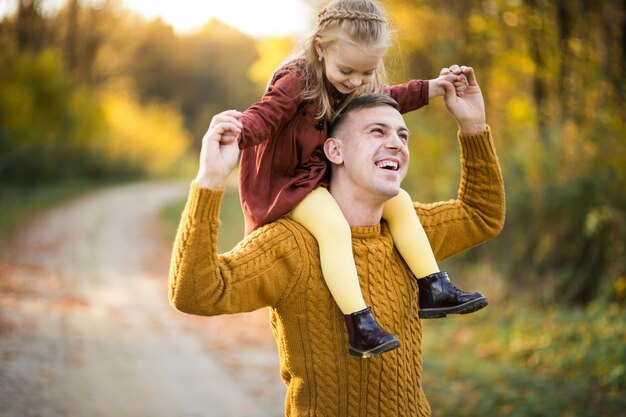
434,90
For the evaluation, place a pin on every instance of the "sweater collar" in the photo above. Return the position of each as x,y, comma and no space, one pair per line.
364,232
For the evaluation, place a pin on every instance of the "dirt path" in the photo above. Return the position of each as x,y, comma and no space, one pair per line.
86,328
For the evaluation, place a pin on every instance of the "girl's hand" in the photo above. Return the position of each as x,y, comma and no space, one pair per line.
453,75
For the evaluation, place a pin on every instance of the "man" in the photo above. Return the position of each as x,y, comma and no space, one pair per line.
278,264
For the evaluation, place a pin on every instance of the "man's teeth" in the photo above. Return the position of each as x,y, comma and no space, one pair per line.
387,164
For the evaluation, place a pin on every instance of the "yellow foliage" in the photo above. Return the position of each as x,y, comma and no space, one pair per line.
477,23
620,290
510,18
272,52
22,104
520,109
151,136
412,23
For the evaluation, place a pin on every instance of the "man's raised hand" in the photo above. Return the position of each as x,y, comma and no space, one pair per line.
468,110
220,150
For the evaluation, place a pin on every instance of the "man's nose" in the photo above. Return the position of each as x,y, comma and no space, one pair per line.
394,141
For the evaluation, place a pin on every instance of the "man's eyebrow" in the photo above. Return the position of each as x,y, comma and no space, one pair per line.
386,126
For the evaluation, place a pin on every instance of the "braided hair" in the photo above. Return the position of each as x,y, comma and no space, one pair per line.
360,21
329,15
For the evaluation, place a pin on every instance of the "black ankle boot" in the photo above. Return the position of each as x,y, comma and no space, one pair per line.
438,297
367,338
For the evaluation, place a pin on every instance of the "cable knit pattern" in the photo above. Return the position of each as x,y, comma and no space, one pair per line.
278,266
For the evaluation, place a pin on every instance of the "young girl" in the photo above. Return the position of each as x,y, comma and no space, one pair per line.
283,167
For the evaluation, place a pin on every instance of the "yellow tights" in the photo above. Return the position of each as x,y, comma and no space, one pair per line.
320,214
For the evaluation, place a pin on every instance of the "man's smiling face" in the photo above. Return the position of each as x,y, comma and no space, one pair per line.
374,153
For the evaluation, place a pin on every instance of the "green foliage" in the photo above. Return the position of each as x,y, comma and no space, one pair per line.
49,128
525,362
198,72
149,137
555,102
579,251
52,128
231,229
95,91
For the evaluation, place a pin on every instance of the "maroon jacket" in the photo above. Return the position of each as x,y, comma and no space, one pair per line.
282,158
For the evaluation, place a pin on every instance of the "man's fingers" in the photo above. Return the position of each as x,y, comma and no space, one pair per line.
460,88
233,113
222,133
449,89
231,116
227,129
222,118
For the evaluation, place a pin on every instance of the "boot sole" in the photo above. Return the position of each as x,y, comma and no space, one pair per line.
466,308
385,347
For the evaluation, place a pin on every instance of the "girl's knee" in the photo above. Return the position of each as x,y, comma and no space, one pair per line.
404,196
335,225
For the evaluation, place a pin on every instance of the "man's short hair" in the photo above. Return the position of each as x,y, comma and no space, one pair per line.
362,102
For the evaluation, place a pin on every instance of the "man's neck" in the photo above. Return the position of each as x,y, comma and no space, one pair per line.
358,210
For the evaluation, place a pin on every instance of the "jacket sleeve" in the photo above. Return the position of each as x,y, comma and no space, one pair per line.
477,214
278,105
261,271
410,96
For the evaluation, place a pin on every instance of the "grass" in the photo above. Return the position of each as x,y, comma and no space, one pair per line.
231,230
513,360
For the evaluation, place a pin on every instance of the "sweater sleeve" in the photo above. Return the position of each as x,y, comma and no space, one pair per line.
410,96
477,214
261,271
278,105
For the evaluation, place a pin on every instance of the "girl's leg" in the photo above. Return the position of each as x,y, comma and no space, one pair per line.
321,215
437,296
409,236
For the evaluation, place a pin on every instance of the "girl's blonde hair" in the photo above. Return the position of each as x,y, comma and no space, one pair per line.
360,21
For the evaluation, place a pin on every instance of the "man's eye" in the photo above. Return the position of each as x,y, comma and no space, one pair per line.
377,131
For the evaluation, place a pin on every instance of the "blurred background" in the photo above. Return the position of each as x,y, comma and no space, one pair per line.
101,92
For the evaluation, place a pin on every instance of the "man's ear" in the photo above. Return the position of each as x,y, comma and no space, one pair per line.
332,149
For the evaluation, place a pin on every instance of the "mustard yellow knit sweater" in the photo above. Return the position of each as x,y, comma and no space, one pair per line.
278,266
